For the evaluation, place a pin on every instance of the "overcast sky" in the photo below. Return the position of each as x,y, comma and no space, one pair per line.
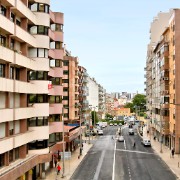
110,38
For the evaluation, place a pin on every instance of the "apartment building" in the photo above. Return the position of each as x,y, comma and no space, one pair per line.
83,93
72,107
102,101
34,89
162,79
24,66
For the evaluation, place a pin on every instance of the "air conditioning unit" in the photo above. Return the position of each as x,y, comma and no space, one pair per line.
165,78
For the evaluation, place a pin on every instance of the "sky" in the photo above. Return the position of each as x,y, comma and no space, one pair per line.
110,38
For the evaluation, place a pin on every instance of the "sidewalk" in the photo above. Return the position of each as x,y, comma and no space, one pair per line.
172,163
70,165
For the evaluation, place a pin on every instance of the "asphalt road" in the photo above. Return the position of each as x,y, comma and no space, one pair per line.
109,159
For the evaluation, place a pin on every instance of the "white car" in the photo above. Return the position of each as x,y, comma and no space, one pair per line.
121,139
146,142
111,124
115,124
100,132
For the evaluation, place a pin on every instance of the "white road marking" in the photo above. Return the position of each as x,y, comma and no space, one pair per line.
141,152
99,166
124,144
113,174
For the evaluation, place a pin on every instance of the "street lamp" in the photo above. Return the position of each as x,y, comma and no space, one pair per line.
63,137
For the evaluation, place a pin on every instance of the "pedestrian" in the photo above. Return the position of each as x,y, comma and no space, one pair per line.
55,162
58,168
172,152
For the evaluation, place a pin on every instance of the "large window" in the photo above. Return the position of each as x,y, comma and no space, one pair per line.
39,144
65,63
3,10
38,52
11,156
2,40
39,7
55,137
37,98
55,99
38,30
38,75
57,27
56,81
65,72
17,153
56,45
2,70
54,118
2,160
38,121
55,63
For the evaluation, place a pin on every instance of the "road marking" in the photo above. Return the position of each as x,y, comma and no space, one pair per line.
141,152
113,176
99,166
124,144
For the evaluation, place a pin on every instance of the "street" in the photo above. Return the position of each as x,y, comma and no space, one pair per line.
109,159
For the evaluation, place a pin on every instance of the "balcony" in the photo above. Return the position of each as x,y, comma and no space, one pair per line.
55,108
56,35
42,41
6,54
42,18
56,53
21,10
56,90
6,24
57,17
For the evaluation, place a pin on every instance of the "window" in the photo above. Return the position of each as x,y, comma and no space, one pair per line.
12,44
18,22
55,63
2,40
38,30
55,81
38,52
11,158
11,128
55,99
11,72
38,121
2,130
2,70
39,144
65,97
65,72
65,89
17,153
39,7
55,45
17,70
66,63
38,75
2,160
12,18
3,10
37,98
65,80
57,27
54,118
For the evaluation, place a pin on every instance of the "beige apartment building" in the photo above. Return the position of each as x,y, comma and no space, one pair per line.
162,79
34,89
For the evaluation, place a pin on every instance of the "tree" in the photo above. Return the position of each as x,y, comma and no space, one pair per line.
94,115
108,116
139,102
130,105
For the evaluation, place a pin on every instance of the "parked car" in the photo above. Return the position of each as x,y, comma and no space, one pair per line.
146,142
111,124
100,132
121,139
131,131
115,124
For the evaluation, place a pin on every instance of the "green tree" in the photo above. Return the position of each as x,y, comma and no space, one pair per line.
108,116
130,105
139,102
94,116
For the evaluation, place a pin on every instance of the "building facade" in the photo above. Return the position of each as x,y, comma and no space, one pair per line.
162,78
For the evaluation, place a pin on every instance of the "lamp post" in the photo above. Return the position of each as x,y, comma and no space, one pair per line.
63,143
